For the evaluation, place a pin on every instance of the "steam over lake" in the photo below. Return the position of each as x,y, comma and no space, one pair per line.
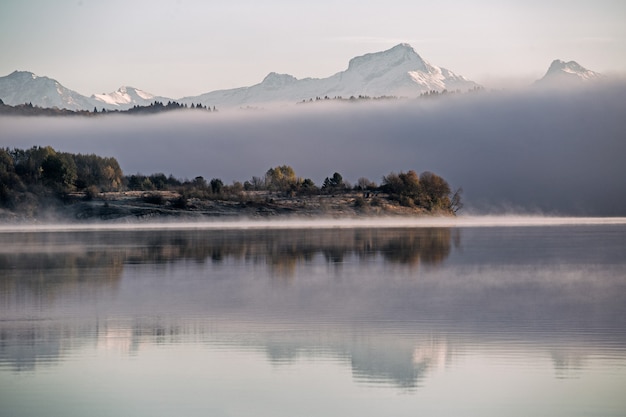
472,317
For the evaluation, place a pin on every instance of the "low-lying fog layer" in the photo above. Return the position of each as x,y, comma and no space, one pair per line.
549,152
326,223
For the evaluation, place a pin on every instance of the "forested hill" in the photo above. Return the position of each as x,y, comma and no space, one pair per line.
40,182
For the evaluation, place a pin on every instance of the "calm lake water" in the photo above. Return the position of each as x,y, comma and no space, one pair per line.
510,320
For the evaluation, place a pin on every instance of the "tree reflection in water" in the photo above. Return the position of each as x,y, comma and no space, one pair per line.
97,258
350,296
42,274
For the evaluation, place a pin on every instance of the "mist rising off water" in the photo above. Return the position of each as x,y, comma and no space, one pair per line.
557,152
300,224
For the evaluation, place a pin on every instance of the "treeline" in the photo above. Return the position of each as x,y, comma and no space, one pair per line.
361,97
445,92
159,107
350,99
30,176
428,191
27,109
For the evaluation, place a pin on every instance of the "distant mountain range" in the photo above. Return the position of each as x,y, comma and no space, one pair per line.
398,71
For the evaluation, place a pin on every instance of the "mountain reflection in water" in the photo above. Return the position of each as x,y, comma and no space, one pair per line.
393,305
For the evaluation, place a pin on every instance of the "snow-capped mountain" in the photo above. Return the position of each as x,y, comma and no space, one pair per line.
399,71
567,74
21,87
126,97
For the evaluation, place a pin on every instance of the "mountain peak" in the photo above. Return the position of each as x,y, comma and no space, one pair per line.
401,55
126,89
22,74
565,74
21,87
403,46
276,80
571,67
124,97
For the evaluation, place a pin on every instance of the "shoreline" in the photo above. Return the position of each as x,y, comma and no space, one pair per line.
141,206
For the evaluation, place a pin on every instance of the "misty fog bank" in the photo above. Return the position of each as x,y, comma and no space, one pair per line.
550,152
308,223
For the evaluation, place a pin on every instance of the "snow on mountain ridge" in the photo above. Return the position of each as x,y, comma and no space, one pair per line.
21,87
398,71
275,80
144,95
567,74
125,96
401,54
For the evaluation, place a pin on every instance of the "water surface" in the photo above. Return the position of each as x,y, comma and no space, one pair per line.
514,319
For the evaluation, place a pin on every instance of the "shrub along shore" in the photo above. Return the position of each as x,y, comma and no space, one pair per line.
42,184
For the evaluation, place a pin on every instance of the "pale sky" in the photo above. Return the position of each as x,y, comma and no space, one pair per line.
178,48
